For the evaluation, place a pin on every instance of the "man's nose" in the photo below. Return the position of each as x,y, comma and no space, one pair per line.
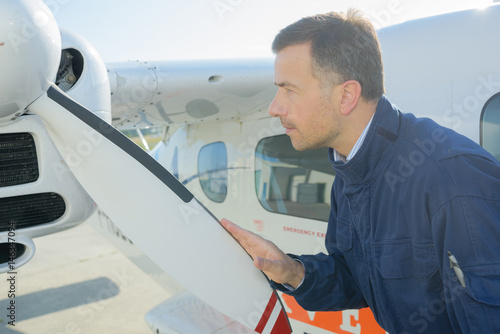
276,109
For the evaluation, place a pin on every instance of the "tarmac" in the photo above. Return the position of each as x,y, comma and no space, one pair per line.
78,283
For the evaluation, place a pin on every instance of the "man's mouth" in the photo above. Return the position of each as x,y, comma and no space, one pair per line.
288,127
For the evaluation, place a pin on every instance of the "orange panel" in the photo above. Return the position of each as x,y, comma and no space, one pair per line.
333,321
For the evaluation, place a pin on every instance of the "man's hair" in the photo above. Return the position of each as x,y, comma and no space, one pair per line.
343,47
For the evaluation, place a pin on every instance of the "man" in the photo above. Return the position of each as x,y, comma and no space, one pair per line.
418,243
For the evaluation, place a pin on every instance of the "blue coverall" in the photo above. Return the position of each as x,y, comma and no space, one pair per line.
415,199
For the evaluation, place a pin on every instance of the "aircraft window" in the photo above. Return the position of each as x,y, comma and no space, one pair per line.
212,170
292,182
490,126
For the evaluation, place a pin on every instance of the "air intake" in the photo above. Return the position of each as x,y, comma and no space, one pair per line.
18,161
30,210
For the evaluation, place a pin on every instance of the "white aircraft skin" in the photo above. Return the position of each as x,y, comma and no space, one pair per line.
445,67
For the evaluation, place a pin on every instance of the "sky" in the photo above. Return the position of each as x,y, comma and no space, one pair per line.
149,30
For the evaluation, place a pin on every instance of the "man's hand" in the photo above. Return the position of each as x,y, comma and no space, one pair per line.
267,257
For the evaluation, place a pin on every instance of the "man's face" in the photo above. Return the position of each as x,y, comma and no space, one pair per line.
306,110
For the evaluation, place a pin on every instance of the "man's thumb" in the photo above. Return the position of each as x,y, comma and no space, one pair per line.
259,263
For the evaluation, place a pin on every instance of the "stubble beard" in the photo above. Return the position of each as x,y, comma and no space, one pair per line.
318,139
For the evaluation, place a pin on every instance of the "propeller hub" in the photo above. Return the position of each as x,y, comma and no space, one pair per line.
30,50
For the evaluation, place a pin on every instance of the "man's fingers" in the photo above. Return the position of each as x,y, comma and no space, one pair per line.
227,225
234,229
246,238
267,257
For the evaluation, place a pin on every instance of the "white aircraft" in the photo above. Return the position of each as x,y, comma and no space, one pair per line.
219,142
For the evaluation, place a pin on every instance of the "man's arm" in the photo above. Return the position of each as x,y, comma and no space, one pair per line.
470,263
466,230
327,284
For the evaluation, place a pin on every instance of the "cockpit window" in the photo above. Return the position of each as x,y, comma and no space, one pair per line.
292,182
212,170
490,126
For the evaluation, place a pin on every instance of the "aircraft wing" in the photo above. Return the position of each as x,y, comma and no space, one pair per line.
164,93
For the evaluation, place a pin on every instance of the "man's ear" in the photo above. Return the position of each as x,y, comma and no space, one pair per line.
350,96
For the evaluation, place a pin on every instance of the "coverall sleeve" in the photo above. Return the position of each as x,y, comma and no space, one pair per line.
327,286
468,227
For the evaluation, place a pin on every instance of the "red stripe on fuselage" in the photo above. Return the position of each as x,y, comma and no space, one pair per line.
267,313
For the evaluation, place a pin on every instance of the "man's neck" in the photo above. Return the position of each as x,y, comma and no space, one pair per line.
355,127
